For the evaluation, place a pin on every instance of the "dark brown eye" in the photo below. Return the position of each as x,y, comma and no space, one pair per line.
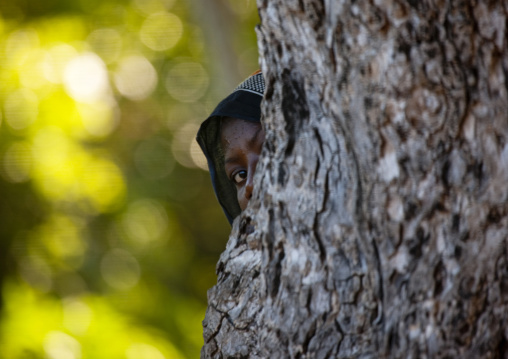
239,177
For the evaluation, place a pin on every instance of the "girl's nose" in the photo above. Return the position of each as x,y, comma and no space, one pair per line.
249,184
248,190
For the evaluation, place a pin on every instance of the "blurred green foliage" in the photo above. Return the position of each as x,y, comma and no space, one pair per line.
109,230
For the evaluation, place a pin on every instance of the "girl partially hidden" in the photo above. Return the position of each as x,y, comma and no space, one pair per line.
231,139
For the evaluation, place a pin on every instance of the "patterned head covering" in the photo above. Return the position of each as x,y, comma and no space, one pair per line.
243,103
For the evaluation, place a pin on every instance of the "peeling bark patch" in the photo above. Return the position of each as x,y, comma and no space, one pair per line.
246,227
494,216
275,273
502,275
316,15
502,347
269,88
320,142
294,108
393,339
388,167
310,334
271,229
283,174
439,278
456,222
322,250
469,286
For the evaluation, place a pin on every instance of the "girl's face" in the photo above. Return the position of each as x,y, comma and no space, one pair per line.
242,142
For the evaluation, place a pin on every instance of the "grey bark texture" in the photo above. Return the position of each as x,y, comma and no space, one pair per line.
379,223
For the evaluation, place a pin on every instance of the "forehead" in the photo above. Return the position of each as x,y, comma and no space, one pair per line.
234,130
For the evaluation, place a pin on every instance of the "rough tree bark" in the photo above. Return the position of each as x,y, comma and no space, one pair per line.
380,219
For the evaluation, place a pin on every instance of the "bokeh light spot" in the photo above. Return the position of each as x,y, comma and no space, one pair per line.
145,222
197,156
99,118
17,162
161,31
182,143
56,60
107,43
59,345
51,149
31,69
21,108
53,169
64,172
103,183
120,269
248,60
77,316
187,81
152,6
143,351
242,8
179,114
61,236
20,42
153,158
135,78
86,78
36,272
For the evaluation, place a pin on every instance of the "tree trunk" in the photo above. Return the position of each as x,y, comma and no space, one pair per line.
379,224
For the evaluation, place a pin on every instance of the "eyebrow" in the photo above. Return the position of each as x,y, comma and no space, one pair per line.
233,159
251,141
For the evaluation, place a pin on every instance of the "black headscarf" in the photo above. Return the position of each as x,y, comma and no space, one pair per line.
243,103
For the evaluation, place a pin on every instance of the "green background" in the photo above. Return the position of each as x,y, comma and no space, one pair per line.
109,229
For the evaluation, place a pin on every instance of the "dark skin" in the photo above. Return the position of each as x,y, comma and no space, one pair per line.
242,142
